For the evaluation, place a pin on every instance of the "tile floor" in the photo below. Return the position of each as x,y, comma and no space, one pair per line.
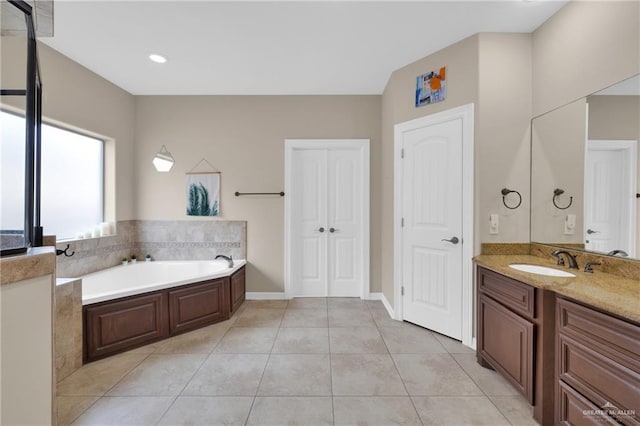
304,361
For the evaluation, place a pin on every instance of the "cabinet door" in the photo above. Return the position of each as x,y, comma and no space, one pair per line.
116,326
198,305
237,289
575,409
507,344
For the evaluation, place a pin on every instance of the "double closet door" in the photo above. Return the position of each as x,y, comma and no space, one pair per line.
327,215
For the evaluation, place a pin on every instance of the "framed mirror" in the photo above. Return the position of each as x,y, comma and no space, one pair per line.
584,173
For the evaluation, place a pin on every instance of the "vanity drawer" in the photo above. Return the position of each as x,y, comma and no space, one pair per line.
511,293
599,378
575,409
614,338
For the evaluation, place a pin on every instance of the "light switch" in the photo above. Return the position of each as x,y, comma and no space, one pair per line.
569,224
494,223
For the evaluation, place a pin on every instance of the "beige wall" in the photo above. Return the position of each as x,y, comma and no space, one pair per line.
503,137
586,46
243,137
77,97
461,60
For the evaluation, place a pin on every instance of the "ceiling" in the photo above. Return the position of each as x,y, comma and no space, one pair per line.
267,48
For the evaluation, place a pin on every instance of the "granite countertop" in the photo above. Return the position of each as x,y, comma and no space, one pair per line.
612,293
36,262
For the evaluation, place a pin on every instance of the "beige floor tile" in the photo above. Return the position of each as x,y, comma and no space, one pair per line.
434,374
516,409
488,380
459,411
240,340
303,318
374,410
350,318
316,411
302,341
119,411
375,304
270,304
307,303
382,318
356,340
98,377
259,317
296,375
453,346
146,349
70,408
195,342
206,411
346,303
228,374
410,339
368,374
159,375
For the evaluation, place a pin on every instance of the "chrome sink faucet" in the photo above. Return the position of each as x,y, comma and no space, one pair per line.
227,258
570,258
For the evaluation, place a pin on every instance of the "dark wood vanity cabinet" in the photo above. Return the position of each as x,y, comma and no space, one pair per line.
516,337
194,306
597,367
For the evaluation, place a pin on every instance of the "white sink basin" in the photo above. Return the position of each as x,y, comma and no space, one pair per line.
541,270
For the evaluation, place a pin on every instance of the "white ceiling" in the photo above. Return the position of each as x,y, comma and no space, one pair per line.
243,48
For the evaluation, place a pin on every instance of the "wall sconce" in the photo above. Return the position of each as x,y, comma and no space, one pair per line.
163,160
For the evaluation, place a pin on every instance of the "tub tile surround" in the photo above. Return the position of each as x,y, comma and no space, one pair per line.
163,240
68,327
236,383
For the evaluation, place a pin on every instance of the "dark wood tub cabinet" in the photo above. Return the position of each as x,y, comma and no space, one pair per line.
122,324
516,332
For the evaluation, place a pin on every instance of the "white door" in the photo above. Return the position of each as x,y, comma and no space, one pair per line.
327,222
610,188
432,211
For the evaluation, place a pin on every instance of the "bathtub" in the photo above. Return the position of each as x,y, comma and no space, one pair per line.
128,306
142,277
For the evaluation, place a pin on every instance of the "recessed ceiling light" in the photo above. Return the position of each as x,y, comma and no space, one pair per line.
157,58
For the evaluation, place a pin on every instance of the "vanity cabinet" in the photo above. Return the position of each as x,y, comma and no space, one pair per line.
597,365
516,337
194,306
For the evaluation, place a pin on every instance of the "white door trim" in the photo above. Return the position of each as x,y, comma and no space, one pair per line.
296,144
466,113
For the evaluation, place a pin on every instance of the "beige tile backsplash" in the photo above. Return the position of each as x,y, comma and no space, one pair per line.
162,239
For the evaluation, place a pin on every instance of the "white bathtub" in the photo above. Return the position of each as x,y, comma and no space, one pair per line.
142,277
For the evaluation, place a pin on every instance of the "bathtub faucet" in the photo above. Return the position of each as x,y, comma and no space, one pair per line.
227,258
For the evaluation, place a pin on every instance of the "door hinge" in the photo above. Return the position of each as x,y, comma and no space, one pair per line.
402,222
402,153
402,291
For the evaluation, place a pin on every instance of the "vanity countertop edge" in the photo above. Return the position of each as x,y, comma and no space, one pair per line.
611,293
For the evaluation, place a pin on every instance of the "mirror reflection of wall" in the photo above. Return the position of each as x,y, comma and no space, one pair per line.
594,158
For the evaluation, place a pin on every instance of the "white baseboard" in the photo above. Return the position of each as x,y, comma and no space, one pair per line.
259,295
385,302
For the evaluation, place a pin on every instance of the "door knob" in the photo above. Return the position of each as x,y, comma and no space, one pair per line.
453,240
332,230
321,229
591,231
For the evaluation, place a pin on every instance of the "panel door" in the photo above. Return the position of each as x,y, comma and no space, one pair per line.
344,236
610,195
309,223
432,214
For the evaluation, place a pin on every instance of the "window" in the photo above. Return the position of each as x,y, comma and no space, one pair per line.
72,180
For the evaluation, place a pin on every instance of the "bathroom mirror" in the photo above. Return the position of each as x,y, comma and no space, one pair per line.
584,173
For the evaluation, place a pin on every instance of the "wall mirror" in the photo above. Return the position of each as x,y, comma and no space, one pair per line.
584,173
